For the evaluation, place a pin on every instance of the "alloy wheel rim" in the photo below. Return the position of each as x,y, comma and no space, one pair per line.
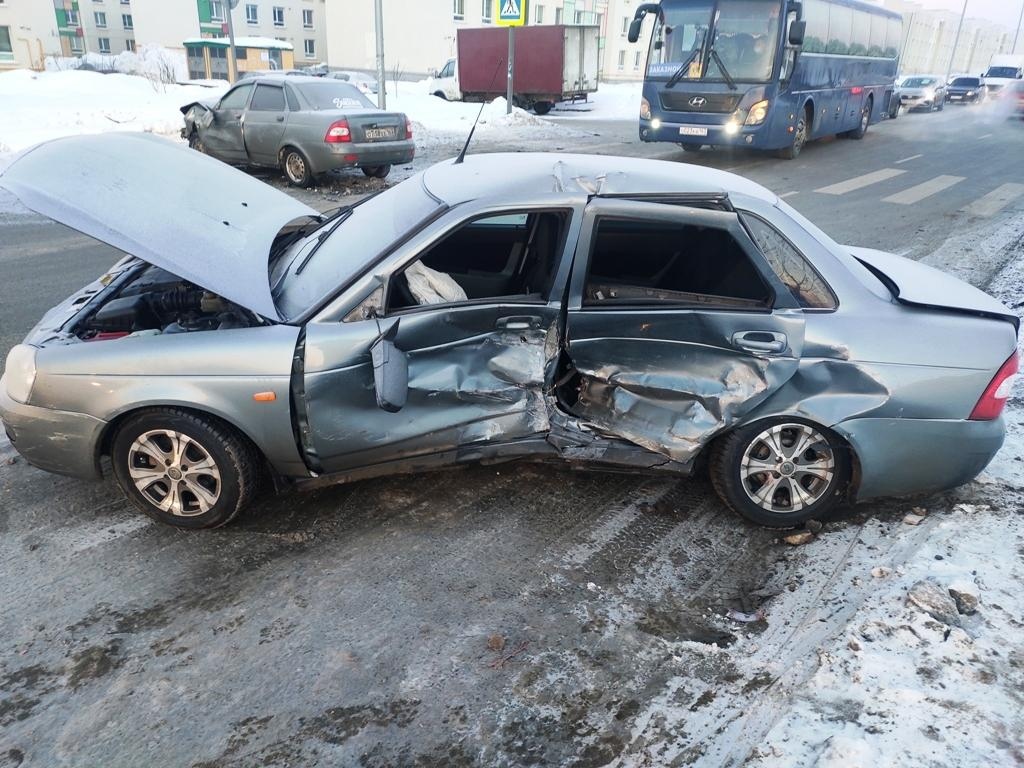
174,472
296,167
787,468
801,136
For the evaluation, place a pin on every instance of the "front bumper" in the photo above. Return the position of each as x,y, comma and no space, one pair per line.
905,456
352,155
716,134
58,441
961,98
910,102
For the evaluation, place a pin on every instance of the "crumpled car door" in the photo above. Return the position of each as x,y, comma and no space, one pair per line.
222,138
669,373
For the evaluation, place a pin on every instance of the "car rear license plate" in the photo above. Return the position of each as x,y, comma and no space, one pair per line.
690,130
374,134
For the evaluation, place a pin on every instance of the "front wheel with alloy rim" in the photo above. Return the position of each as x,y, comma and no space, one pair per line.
792,152
184,469
296,168
781,472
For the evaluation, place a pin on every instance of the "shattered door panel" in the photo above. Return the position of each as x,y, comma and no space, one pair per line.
669,380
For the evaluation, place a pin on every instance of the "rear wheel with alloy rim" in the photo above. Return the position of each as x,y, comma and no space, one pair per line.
184,469
781,472
865,120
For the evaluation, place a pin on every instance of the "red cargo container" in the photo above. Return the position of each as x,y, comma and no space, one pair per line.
552,63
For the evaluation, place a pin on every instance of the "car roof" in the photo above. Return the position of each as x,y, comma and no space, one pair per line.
281,77
542,173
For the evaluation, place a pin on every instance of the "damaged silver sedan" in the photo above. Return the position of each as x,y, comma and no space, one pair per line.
617,313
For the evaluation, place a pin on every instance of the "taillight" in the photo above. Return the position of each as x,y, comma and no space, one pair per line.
338,133
408,128
997,392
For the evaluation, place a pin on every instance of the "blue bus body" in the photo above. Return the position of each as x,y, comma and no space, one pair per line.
830,84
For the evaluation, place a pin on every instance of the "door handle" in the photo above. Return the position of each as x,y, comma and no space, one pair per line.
280,118
518,323
760,341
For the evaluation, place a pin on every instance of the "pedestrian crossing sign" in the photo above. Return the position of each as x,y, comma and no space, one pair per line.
511,13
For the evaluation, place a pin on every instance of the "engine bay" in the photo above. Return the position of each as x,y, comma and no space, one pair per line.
158,302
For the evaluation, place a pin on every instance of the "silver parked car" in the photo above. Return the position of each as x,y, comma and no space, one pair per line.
301,124
927,92
607,311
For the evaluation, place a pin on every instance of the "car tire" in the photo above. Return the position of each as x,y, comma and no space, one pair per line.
440,95
942,104
692,147
226,481
377,171
542,107
296,168
800,136
861,130
796,495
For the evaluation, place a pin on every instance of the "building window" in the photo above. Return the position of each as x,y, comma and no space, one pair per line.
278,13
310,48
622,59
252,14
625,26
459,9
558,15
126,21
485,11
307,18
6,49
216,10
126,2
72,18
538,14
104,44
129,44
101,19
76,45
636,60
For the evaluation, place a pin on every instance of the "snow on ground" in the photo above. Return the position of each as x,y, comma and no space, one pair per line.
613,101
38,106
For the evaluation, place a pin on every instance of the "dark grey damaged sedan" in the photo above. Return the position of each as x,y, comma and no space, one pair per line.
303,125
612,312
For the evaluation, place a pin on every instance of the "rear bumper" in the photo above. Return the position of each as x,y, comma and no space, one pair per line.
717,134
351,155
58,441
904,456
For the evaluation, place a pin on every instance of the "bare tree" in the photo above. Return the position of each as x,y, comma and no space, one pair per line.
396,74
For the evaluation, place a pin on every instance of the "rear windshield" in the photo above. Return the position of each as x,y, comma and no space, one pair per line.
334,94
967,82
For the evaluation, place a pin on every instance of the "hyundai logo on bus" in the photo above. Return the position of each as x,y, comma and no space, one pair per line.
698,102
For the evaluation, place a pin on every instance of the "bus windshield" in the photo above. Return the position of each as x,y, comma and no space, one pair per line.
745,36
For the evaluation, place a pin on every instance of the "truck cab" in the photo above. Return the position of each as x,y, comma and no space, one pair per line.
445,83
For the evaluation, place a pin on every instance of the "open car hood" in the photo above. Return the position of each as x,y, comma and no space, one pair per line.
182,211
911,282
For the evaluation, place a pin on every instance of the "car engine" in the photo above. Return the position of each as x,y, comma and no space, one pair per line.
158,302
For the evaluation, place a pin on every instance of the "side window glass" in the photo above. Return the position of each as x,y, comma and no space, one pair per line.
237,98
803,281
653,262
511,255
268,98
293,100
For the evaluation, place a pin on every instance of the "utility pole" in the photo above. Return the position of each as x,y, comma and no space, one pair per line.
1017,33
233,54
511,67
956,42
378,20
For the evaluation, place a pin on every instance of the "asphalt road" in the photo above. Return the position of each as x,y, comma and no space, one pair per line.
510,615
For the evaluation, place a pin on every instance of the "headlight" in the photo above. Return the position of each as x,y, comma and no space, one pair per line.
20,373
929,94
757,113
645,109
970,93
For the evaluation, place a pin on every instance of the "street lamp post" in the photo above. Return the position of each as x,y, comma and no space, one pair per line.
233,57
378,20
956,42
1017,33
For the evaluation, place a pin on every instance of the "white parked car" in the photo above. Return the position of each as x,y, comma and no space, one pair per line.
445,84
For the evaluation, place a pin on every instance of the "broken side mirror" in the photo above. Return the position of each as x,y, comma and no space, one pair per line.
797,31
390,371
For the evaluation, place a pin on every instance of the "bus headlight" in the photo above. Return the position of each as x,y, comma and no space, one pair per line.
758,113
645,109
20,373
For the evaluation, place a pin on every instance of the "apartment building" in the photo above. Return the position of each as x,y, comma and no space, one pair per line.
108,26
28,33
302,23
421,37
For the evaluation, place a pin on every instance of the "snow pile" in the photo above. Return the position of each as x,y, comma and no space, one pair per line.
613,101
38,106
931,667
153,62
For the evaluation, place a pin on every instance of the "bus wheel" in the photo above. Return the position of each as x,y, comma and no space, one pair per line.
792,152
865,120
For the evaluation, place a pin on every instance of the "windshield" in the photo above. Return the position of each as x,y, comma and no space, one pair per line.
745,38
334,94
918,82
967,82
1010,72
368,231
